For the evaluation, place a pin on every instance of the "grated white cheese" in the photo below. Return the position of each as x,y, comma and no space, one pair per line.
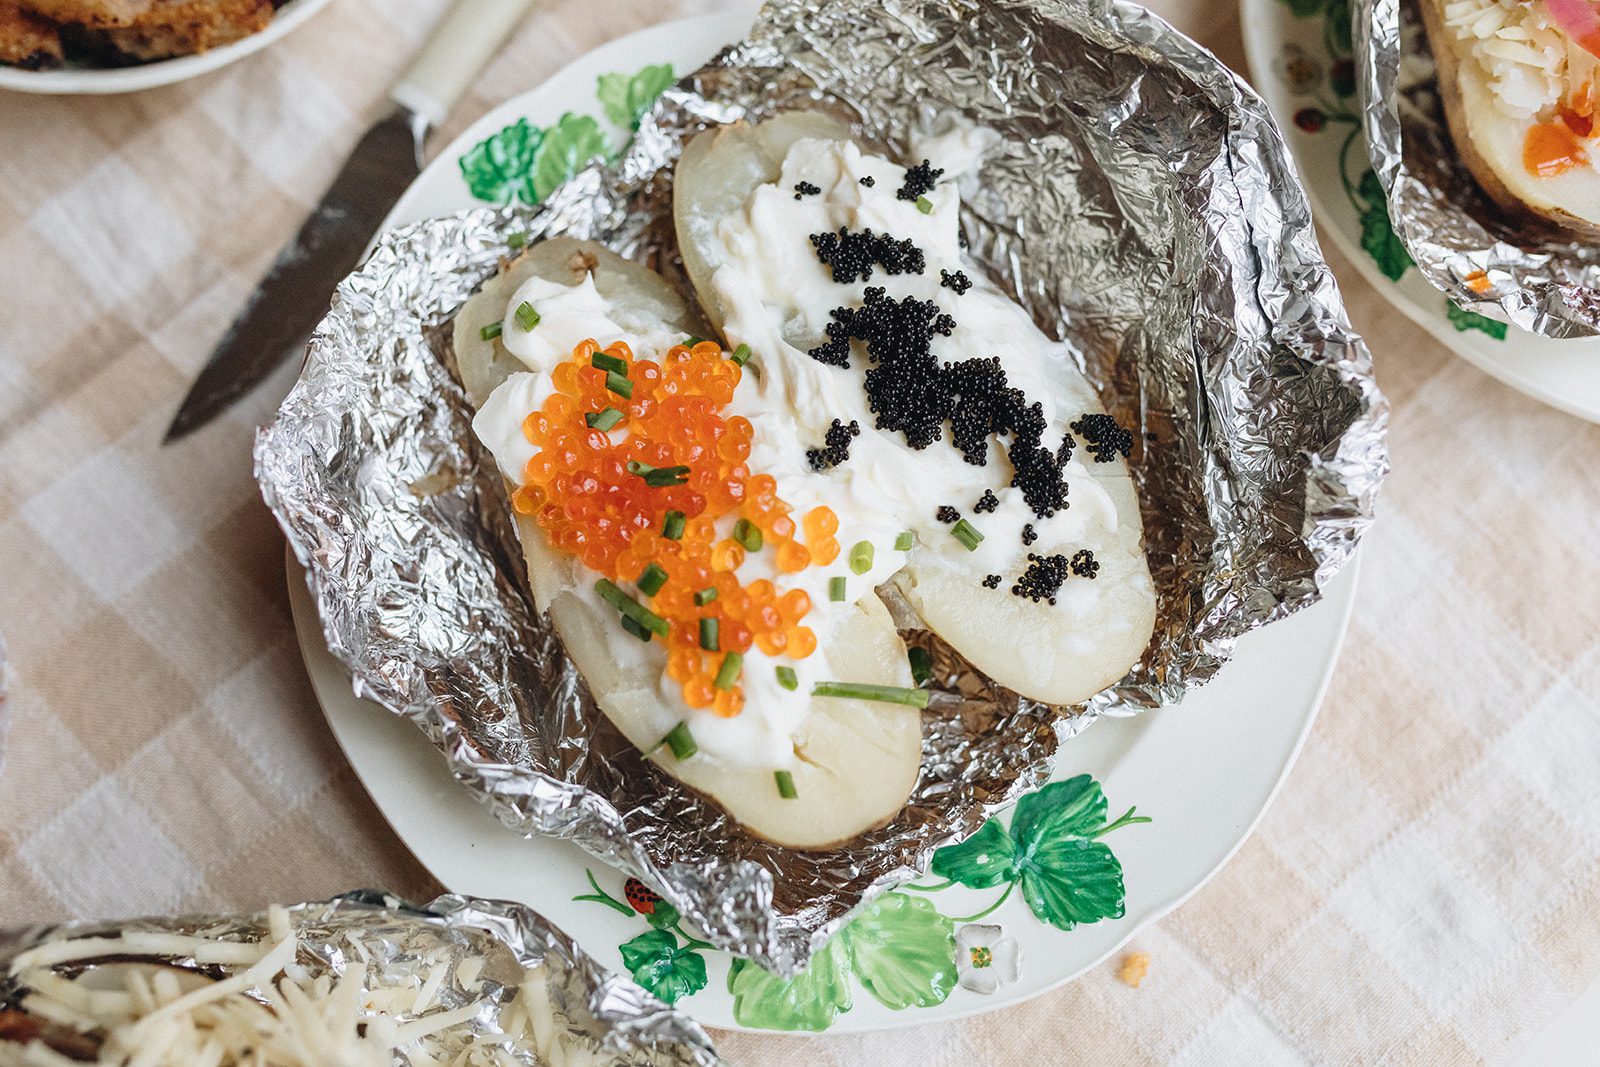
1523,55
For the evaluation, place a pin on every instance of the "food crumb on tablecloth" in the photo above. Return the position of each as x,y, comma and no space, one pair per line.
1135,966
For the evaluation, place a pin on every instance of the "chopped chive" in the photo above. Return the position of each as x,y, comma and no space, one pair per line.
883,694
681,741
651,579
747,534
924,205
741,355
836,588
672,525
619,384
639,467
904,541
967,534
708,635
517,240
921,665
861,557
630,607
788,679
785,782
728,673
663,476
690,342
605,362
603,419
635,629
491,331
705,596
527,317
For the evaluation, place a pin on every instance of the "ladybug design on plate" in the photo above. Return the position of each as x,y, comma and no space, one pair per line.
641,898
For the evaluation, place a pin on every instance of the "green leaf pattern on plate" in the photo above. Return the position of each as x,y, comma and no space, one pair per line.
985,859
903,951
1462,319
1377,235
812,1000
661,965
524,162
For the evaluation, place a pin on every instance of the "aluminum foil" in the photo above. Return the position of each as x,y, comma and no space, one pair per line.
1540,279
1141,204
601,1012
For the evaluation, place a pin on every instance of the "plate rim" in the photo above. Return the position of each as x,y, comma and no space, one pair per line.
107,81
1258,22
1137,920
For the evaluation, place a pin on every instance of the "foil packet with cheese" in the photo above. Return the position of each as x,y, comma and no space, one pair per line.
362,980
1482,119
1102,415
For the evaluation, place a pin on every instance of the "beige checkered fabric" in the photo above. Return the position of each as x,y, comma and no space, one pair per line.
1426,890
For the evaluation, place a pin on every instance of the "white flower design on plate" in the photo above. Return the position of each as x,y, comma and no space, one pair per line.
986,960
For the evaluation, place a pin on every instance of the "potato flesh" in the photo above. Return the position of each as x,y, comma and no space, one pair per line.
856,760
1031,648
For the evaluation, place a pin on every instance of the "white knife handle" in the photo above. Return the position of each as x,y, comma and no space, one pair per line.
457,49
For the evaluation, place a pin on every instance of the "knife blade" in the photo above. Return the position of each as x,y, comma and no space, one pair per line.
294,295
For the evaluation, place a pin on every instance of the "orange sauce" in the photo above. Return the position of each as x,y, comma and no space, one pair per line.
1551,149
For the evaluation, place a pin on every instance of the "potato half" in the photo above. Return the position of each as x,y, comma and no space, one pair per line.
856,760
1041,651
1490,142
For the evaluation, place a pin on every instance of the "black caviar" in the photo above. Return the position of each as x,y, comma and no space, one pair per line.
991,581
852,255
837,442
920,180
956,280
1043,578
946,513
1084,565
986,503
1029,534
1103,437
806,189
869,181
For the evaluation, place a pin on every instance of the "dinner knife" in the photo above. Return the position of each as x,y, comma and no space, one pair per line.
294,295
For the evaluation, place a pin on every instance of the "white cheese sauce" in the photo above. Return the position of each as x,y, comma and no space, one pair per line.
777,296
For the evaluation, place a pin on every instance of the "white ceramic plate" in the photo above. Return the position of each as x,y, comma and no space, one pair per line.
1204,771
103,80
1300,62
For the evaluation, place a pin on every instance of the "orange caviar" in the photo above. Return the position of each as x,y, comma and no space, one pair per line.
580,490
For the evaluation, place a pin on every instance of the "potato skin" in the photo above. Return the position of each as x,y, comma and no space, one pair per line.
1462,126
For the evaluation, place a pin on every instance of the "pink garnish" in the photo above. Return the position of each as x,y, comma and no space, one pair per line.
1578,19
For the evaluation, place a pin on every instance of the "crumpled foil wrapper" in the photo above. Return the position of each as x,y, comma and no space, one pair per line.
1540,279
601,1012
1142,206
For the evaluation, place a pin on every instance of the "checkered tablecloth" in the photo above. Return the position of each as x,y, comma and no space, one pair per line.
1426,889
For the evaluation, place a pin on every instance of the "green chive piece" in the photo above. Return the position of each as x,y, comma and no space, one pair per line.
651,579
861,557
635,629
967,534
517,240
728,673
747,534
526,316
708,635
741,355
603,419
491,331
681,741
904,541
705,596
672,526
630,607
785,782
836,588
619,384
639,467
608,363
924,205
663,476
883,694
788,679
921,665
690,342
